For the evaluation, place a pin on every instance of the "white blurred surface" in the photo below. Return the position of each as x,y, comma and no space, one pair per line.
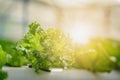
25,73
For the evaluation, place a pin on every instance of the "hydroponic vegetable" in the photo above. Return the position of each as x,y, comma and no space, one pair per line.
46,49
14,57
3,74
115,52
2,57
96,55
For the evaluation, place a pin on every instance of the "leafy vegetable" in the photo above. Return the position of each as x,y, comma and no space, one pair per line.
14,57
96,55
2,57
116,53
46,49
3,74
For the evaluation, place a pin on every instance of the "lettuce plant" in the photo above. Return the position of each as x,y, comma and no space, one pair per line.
46,49
3,74
99,55
15,57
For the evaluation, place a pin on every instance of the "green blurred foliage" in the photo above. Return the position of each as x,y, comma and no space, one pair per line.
14,57
99,55
3,75
2,57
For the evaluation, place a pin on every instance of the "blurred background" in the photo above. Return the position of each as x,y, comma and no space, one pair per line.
90,17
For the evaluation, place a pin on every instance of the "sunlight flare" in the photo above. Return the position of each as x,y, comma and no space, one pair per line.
81,34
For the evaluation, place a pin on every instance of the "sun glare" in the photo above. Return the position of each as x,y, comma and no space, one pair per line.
81,34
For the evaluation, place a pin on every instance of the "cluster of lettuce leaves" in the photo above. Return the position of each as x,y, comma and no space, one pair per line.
46,49
3,74
51,48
